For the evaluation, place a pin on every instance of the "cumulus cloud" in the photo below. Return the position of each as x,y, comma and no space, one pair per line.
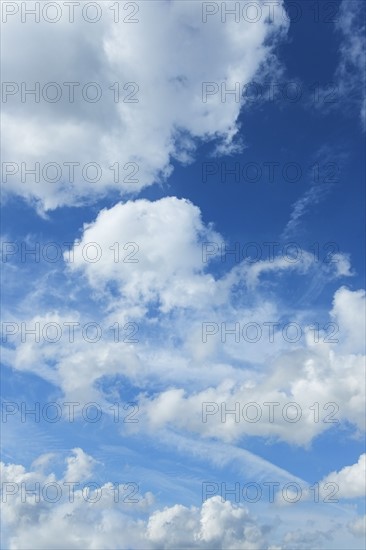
149,273
350,479
217,523
136,250
309,374
158,255
79,466
306,379
87,516
168,292
80,521
347,483
349,310
158,117
70,517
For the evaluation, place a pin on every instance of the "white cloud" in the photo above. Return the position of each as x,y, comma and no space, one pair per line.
169,293
79,466
304,377
306,374
347,483
109,523
167,259
219,524
163,263
156,53
349,308
255,270
350,479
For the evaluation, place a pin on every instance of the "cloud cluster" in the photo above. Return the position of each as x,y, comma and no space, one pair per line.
169,292
141,264
159,252
76,521
84,521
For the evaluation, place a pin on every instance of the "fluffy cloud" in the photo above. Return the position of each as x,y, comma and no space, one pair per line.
78,519
155,55
168,292
77,522
136,250
348,310
351,479
307,378
348,483
71,520
219,524
79,466
157,256
311,373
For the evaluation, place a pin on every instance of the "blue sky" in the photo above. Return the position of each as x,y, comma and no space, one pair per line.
157,269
